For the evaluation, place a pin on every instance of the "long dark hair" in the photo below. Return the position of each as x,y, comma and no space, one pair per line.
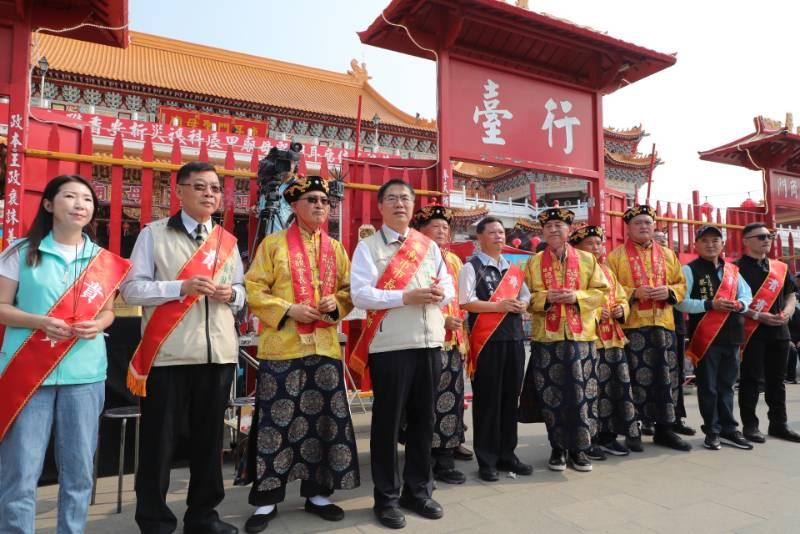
43,222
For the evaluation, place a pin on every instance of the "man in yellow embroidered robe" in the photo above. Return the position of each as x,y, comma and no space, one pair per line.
299,288
654,283
567,288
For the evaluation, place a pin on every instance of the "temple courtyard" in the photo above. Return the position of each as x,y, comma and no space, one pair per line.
656,491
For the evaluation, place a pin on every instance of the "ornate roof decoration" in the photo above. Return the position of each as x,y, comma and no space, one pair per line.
154,61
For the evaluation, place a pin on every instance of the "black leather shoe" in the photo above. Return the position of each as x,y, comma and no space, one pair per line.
634,444
785,433
257,523
754,435
516,467
462,453
427,508
672,440
390,517
450,476
682,428
489,474
328,512
218,527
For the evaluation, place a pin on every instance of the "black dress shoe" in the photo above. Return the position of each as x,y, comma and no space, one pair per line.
754,435
391,517
489,474
634,444
670,439
427,508
681,428
785,433
218,526
516,467
257,523
449,476
328,512
462,453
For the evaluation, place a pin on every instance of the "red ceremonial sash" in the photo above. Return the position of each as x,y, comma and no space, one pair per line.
711,323
572,280
306,291
401,268
640,275
608,328
453,309
38,355
487,322
214,252
765,297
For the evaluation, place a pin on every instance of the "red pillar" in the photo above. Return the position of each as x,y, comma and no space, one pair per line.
15,30
443,166
597,213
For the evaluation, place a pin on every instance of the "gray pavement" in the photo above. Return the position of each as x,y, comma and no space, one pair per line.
657,491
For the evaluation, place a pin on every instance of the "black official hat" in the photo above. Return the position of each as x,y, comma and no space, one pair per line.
429,213
303,184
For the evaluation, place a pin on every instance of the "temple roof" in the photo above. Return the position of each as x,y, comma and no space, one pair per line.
515,38
771,145
161,62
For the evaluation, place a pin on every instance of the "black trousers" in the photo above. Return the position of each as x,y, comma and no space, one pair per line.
680,351
764,361
791,366
495,401
402,381
715,377
182,401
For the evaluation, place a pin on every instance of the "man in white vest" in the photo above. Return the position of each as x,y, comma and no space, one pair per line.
189,372
399,276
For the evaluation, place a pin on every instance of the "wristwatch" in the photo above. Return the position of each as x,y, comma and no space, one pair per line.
233,297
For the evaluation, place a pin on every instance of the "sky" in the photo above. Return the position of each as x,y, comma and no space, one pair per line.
735,62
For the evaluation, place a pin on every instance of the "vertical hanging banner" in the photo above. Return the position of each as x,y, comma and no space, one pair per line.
12,217
503,118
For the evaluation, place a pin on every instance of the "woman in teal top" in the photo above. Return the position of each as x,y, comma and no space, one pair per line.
34,273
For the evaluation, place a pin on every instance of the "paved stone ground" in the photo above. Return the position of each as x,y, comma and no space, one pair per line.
657,491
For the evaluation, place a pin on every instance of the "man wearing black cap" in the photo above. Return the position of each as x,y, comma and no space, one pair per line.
717,295
299,288
766,335
654,283
448,430
495,295
567,290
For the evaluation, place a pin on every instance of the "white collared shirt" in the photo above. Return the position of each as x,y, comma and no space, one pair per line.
140,287
364,277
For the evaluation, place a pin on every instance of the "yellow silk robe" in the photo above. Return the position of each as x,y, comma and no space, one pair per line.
593,288
618,261
456,265
270,294
622,299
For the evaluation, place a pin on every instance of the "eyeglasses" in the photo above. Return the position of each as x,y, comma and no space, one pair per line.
317,200
393,199
202,186
761,237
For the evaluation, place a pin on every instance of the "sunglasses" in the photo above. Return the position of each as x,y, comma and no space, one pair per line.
317,200
200,186
761,237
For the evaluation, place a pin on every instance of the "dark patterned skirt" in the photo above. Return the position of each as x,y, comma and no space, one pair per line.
616,413
562,375
302,428
653,364
448,430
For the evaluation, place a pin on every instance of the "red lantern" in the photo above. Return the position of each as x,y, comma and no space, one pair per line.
535,242
516,242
